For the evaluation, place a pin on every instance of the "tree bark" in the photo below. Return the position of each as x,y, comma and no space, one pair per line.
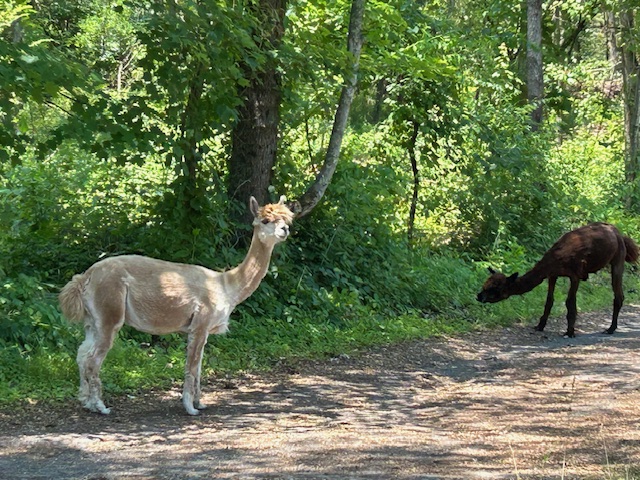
535,81
254,139
381,93
17,32
416,182
190,129
613,53
314,193
631,92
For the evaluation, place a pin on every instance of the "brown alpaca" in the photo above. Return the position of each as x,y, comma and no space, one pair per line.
578,253
161,297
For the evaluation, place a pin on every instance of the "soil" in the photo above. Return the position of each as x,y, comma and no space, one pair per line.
493,404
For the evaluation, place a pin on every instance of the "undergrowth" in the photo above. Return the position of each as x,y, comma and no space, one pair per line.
340,323
345,280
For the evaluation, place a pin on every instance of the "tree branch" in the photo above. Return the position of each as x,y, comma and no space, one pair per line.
315,192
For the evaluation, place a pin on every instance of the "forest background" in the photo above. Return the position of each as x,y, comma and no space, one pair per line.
479,132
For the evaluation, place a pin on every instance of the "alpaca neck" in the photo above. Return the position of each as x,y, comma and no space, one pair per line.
529,280
246,277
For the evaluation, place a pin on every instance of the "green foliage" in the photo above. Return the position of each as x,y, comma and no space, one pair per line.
30,318
73,207
39,374
117,122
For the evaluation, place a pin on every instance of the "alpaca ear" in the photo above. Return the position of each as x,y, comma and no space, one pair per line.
253,206
282,200
513,277
491,270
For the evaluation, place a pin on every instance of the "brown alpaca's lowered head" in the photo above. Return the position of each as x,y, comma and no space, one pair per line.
498,287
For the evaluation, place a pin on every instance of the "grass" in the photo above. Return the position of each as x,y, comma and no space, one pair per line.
45,373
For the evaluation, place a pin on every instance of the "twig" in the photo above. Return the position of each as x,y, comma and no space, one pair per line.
515,463
606,453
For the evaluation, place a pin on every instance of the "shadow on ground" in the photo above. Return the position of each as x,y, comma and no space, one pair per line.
507,403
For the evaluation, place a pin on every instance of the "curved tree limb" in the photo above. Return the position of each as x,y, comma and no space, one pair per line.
314,193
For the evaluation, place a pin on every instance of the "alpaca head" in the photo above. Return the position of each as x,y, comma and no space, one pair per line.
271,221
497,287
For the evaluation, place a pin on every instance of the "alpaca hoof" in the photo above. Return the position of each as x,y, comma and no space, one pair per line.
569,335
200,406
538,328
98,408
608,331
192,411
188,404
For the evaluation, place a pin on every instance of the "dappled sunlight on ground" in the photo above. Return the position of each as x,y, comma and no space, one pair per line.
508,403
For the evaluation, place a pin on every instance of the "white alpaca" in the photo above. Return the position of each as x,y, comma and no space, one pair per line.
161,297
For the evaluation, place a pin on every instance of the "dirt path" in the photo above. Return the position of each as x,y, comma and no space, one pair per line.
509,403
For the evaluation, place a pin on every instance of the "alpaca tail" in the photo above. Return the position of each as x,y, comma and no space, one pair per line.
70,299
632,250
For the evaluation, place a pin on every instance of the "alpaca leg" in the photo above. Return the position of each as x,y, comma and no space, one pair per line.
83,352
548,305
197,403
618,295
91,355
572,309
191,390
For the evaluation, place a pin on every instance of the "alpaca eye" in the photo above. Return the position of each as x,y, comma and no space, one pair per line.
265,221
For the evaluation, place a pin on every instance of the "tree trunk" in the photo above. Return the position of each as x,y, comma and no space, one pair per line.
17,32
254,139
613,54
314,193
535,81
189,157
381,93
191,127
416,182
631,92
